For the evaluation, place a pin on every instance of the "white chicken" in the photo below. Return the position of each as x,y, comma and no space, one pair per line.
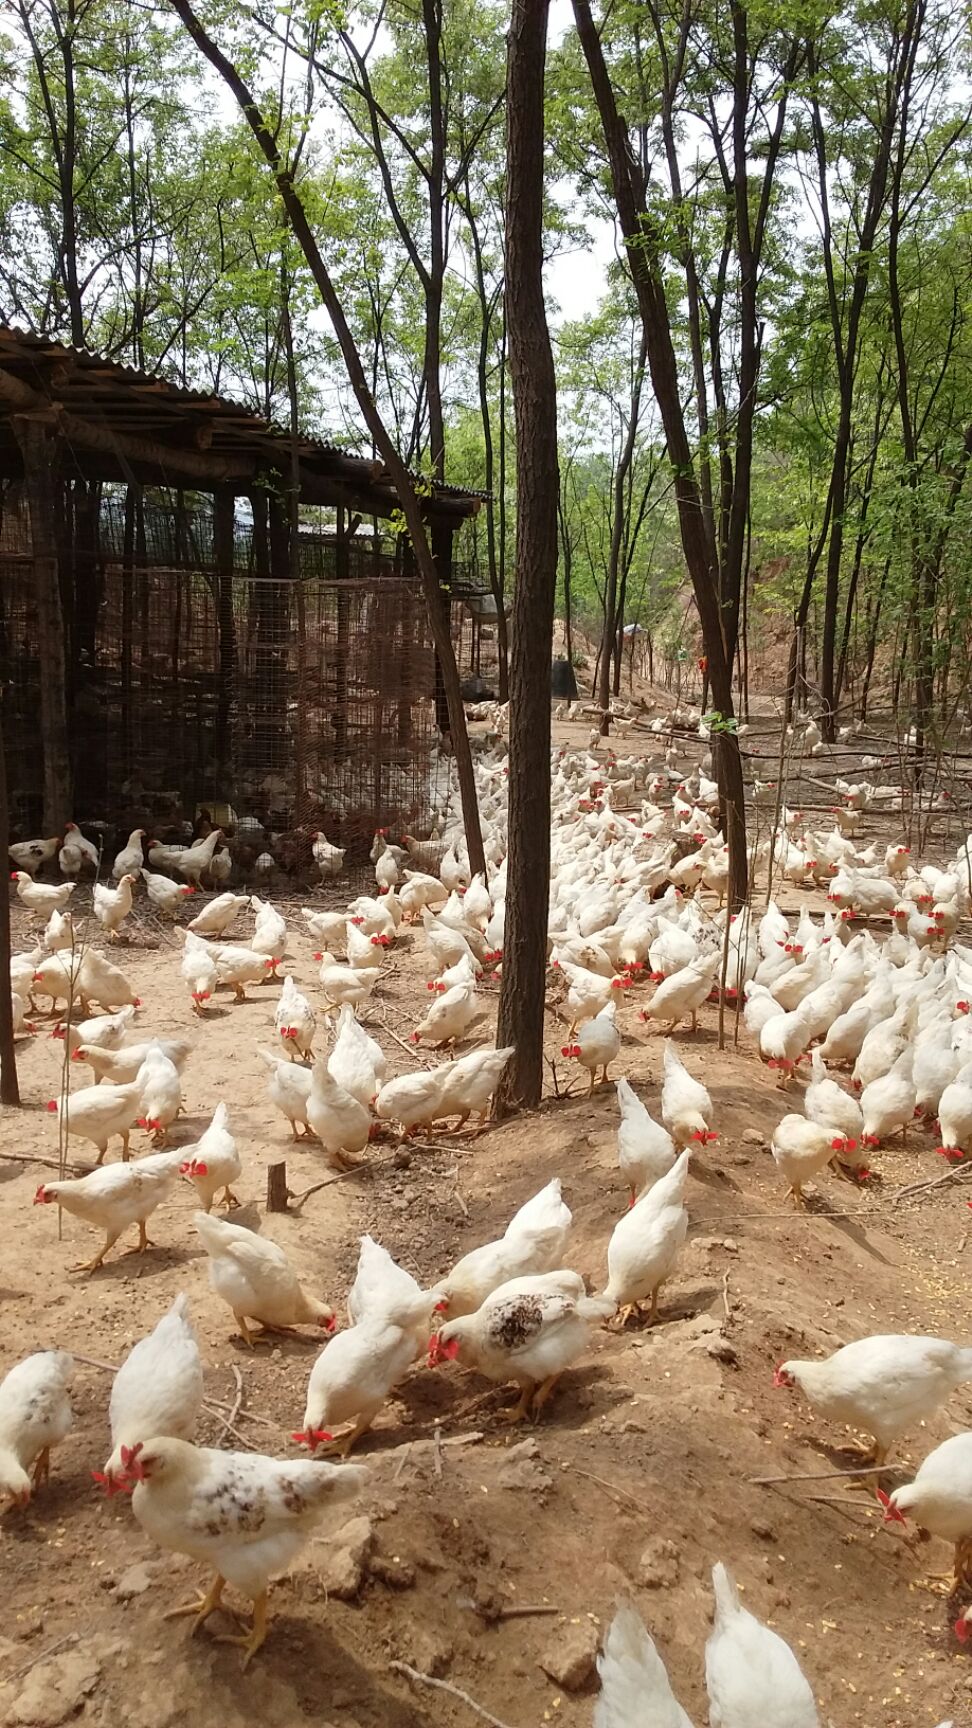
468,1083
683,993
449,1017
198,968
828,1104
244,1515
646,1242
38,897
295,1022
534,1242
120,1067
685,1104
161,1092
529,1330
329,859
940,1500
955,1116
597,1044
587,994
158,1390
884,1385
635,1689
752,1676
131,859
255,1279
888,1103
115,1197
97,1113
269,934
31,855
413,1100
341,1123
358,1368
214,1162
216,917
801,1149
35,1415
289,1088
112,905
357,1062
105,1031
645,1149
345,983
167,895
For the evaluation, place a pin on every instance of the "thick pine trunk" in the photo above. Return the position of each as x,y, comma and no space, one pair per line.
521,1010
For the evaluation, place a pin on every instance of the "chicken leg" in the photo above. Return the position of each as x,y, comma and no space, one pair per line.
93,1265
201,1607
342,1446
250,1642
519,1412
542,1393
42,1468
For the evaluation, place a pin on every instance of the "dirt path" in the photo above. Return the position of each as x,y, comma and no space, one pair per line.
638,1479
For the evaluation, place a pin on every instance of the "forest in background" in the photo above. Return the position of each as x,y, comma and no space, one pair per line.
801,180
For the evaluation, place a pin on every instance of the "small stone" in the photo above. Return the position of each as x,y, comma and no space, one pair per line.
343,1567
523,1467
402,1159
658,1567
633,1426
721,1350
135,1581
397,1574
429,1652
569,1659
762,1528
56,1690
753,1137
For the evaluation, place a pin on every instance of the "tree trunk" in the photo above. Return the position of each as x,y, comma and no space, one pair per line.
397,470
9,1088
38,451
641,244
521,1010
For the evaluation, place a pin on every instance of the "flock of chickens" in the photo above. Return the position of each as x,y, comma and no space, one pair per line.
628,876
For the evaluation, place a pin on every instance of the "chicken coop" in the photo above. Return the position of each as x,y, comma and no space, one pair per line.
179,630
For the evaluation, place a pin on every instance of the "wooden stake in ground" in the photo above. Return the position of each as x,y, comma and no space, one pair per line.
521,1007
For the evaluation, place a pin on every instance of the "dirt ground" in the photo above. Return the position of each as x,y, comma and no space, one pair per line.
639,1477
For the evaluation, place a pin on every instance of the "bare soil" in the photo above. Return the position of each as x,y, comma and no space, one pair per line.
638,1478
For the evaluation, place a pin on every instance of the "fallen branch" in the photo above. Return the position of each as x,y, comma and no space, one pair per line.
235,1409
446,1686
42,1656
34,1158
937,1182
726,1300
366,1164
828,1475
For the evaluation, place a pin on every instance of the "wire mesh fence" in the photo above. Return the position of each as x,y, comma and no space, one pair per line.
299,703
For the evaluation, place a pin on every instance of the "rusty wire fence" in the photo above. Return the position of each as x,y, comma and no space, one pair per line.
307,702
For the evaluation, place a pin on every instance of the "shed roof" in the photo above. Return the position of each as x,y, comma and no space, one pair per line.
121,424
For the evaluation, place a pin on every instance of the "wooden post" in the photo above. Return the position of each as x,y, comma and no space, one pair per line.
9,1088
39,451
223,550
277,1191
440,541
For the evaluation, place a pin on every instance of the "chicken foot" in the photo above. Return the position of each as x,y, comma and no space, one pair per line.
341,1447
93,1265
202,1605
250,1642
520,1411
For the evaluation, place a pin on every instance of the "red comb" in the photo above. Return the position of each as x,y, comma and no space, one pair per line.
312,1438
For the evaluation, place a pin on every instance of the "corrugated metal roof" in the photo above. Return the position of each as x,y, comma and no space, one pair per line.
233,423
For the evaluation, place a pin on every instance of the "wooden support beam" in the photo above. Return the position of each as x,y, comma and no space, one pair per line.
179,463
39,451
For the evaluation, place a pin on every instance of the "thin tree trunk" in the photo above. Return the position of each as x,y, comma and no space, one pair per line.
397,470
9,1088
521,1009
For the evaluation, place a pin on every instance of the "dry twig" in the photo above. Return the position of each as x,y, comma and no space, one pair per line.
446,1686
235,1408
